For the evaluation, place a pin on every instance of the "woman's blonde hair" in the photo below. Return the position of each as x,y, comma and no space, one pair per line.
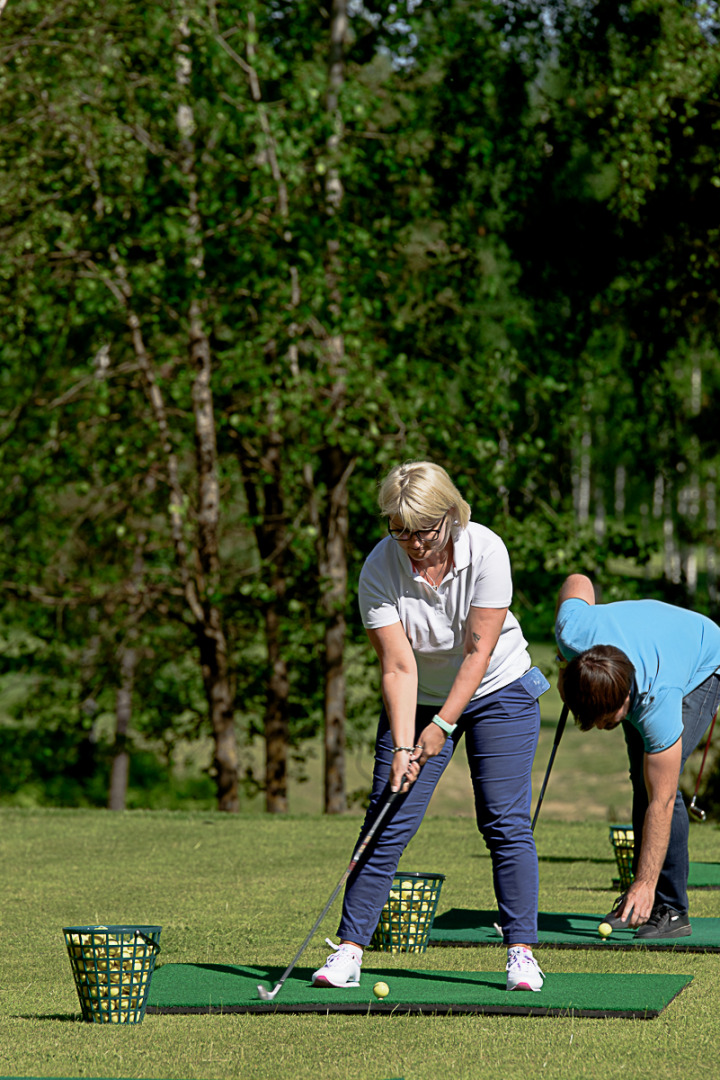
419,493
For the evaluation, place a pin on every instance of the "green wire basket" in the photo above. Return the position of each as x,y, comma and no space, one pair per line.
407,917
622,838
112,967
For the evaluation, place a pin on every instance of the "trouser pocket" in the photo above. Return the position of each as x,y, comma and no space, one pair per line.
534,682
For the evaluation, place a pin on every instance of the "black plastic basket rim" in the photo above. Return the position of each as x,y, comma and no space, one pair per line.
119,928
402,874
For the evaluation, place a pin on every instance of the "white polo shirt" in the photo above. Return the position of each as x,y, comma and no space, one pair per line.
391,591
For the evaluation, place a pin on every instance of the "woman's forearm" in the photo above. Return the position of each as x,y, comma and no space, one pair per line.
399,692
471,673
481,637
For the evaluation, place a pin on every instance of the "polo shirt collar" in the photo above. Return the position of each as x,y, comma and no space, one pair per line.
461,547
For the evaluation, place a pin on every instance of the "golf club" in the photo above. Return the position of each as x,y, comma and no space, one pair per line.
696,812
268,995
556,742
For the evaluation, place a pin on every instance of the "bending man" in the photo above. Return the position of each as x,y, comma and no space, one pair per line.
655,669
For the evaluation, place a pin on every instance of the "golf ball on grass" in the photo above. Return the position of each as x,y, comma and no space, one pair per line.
604,929
381,989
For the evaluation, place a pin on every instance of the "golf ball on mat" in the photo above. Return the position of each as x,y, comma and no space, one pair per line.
381,989
604,929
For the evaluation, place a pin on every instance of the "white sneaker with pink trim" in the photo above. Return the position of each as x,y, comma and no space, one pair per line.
523,972
341,969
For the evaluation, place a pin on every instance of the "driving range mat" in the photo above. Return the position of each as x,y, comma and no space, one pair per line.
703,875
226,988
466,926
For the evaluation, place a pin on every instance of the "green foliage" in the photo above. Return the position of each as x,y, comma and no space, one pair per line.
522,271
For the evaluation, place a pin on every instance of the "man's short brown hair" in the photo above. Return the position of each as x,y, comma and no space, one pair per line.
596,683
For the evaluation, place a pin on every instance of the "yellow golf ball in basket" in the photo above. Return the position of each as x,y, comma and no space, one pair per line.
381,989
604,929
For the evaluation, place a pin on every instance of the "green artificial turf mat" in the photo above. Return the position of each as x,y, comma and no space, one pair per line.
703,875
204,988
467,926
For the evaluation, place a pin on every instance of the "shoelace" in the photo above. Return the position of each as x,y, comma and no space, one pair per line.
336,954
664,911
522,959
333,958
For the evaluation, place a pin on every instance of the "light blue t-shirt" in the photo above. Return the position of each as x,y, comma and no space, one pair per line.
671,649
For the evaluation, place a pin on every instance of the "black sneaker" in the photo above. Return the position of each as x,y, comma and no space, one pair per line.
613,918
665,922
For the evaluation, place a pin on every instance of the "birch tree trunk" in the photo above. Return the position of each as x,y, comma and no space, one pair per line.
336,465
197,562
271,538
263,482
327,496
209,628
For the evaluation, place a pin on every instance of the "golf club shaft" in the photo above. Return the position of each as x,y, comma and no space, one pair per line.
707,747
556,742
693,809
360,850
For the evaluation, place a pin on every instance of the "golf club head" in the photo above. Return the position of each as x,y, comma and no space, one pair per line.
696,812
267,995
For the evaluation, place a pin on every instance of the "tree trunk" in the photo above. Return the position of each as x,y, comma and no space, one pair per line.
271,538
336,467
220,694
120,769
262,478
209,627
334,573
277,735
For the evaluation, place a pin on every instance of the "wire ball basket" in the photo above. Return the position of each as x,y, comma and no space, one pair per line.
112,967
622,838
407,917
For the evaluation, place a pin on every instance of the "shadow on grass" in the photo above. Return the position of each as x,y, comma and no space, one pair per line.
65,1018
233,969
272,974
558,858
575,859
613,890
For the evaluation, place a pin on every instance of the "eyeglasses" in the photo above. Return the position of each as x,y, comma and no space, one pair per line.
425,536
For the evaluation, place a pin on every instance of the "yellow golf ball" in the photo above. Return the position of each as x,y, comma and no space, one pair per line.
604,929
381,990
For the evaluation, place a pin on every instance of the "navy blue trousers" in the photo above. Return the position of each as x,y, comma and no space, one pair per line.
698,709
501,734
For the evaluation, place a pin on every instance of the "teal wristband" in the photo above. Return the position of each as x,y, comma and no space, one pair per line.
447,728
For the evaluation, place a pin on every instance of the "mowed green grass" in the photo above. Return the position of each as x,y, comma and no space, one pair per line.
247,890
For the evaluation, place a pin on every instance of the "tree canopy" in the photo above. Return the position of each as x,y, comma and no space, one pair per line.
255,255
